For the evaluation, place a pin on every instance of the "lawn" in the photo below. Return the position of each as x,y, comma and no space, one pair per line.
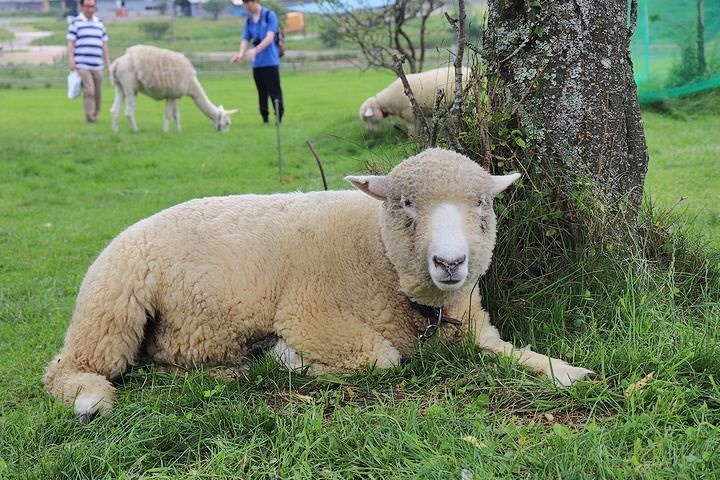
67,188
684,168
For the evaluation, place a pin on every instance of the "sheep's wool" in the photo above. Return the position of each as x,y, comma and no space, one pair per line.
326,276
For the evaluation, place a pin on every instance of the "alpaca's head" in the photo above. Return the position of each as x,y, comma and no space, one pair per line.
222,119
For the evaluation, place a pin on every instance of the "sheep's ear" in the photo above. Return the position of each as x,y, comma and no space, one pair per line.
368,113
502,182
234,110
374,185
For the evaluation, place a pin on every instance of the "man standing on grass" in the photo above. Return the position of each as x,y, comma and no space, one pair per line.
88,53
260,30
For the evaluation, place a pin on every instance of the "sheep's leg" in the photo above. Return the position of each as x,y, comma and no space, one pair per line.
288,356
323,345
130,100
488,338
115,109
103,339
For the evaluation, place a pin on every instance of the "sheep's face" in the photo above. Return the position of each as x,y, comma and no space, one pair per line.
438,224
222,119
371,113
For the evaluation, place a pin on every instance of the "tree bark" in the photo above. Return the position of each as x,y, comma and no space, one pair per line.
563,69
702,63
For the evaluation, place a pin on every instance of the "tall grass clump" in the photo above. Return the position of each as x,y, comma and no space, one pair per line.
632,299
544,260
568,268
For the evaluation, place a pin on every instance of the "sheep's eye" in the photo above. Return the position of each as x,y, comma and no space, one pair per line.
484,201
409,207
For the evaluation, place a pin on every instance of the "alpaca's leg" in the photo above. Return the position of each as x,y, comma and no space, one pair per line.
168,114
176,115
130,99
115,109
104,337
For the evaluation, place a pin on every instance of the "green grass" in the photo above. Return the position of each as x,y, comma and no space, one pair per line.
684,147
67,188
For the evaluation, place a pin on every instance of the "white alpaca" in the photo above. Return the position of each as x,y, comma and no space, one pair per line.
163,75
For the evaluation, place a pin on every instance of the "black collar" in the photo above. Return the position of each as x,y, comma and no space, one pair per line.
434,316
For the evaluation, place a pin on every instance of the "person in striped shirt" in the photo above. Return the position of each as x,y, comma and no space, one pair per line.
88,54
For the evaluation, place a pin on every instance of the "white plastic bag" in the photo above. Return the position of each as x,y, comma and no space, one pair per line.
74,84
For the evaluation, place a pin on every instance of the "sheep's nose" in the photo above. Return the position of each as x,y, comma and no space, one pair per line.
450,266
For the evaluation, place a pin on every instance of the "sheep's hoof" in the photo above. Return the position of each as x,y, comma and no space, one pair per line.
389,358
565,375
84,418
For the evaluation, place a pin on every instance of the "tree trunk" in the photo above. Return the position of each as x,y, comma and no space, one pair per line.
563,70
702,63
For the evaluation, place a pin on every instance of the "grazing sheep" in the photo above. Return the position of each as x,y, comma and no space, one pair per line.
163,75
393,101
341,278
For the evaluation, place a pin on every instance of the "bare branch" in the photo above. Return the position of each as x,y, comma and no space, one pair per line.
417,111
459,24
451,128
381,33
317,159
438,113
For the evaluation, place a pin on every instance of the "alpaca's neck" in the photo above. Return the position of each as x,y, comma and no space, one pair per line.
201,99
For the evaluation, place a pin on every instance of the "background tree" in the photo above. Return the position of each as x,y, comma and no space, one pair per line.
154,30
561,96
702,62
215,7
398,28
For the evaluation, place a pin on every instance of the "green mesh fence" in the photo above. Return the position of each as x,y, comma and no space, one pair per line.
676,48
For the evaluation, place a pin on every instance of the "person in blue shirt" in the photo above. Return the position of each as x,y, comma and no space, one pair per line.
259,33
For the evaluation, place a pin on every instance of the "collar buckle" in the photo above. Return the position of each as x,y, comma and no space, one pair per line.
434,317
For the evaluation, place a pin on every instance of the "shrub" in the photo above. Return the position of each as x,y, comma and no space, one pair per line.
330,34
154,30
215,7
689,68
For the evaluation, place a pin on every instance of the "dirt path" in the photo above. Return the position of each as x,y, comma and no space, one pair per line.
19,49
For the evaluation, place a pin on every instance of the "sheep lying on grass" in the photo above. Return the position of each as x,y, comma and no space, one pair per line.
393,101
341,278
163,75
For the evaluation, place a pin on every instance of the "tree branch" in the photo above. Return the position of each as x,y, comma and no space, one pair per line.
417,111
380,33
633,19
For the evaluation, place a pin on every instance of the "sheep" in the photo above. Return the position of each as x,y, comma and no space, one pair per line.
163,75
392,100
340,279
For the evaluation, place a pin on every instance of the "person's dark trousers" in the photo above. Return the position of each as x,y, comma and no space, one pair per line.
267,80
